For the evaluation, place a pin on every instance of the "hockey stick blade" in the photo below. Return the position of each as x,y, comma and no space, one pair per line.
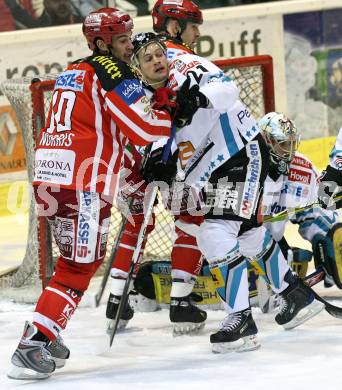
315,278
333,310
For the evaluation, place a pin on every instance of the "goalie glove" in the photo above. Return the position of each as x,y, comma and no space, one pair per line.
155,169
330,189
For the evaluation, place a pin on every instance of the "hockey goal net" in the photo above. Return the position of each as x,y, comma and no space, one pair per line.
31,99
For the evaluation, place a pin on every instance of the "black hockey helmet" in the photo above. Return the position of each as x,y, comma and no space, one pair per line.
141,40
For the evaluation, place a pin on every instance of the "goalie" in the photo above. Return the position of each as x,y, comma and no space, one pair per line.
292,182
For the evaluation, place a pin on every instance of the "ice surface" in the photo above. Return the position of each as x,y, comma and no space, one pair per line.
146,356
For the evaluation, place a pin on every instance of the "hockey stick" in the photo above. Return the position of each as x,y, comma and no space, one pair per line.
314,278
99,294
293,210
108,268
151,197
333,310
149,209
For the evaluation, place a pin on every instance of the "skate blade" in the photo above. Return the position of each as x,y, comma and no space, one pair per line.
22,373
60,363
121,326
248,343
305,314
182,328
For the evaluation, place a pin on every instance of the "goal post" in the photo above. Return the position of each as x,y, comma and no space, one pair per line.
31,100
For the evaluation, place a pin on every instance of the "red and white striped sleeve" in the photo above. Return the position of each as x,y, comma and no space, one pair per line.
131,110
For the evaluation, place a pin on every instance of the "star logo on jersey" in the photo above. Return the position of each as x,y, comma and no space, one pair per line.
220,158
212,164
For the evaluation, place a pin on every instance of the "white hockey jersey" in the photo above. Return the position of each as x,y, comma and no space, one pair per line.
216,133
336,154
298,189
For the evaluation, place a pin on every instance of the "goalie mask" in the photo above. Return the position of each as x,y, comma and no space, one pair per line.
282,138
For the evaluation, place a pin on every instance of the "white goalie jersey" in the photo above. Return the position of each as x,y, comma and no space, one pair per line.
297,189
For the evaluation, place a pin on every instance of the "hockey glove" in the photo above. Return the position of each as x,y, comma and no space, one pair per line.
189,100
154,169
330,189
165,99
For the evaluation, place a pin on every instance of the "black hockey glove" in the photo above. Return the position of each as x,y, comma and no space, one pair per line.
330,189
189,100
154,169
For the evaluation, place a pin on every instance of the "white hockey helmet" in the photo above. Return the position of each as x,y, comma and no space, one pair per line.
281,136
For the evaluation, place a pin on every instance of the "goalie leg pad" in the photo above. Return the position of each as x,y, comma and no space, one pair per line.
300,261
328,252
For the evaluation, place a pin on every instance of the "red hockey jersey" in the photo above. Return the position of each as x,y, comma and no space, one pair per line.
98,104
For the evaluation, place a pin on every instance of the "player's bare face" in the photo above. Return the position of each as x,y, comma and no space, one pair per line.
153,64
191,34
122,47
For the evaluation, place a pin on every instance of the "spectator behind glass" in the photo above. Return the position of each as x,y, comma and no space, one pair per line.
134,7
203,4
6,20
87,6
224,3
55,13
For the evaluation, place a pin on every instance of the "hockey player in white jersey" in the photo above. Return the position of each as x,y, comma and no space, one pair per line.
150,62
330,191
228,161
292,182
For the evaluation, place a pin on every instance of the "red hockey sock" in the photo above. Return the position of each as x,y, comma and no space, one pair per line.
185,256
54,308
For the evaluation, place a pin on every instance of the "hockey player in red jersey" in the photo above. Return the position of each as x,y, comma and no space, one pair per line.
98,105
178,24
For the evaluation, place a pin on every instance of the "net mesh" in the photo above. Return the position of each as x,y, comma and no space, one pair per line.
25,283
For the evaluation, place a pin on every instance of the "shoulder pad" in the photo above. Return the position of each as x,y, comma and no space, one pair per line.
110,71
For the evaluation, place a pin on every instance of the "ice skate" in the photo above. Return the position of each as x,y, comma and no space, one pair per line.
186,317
237,334
32,359
112,308
59,351
297,305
